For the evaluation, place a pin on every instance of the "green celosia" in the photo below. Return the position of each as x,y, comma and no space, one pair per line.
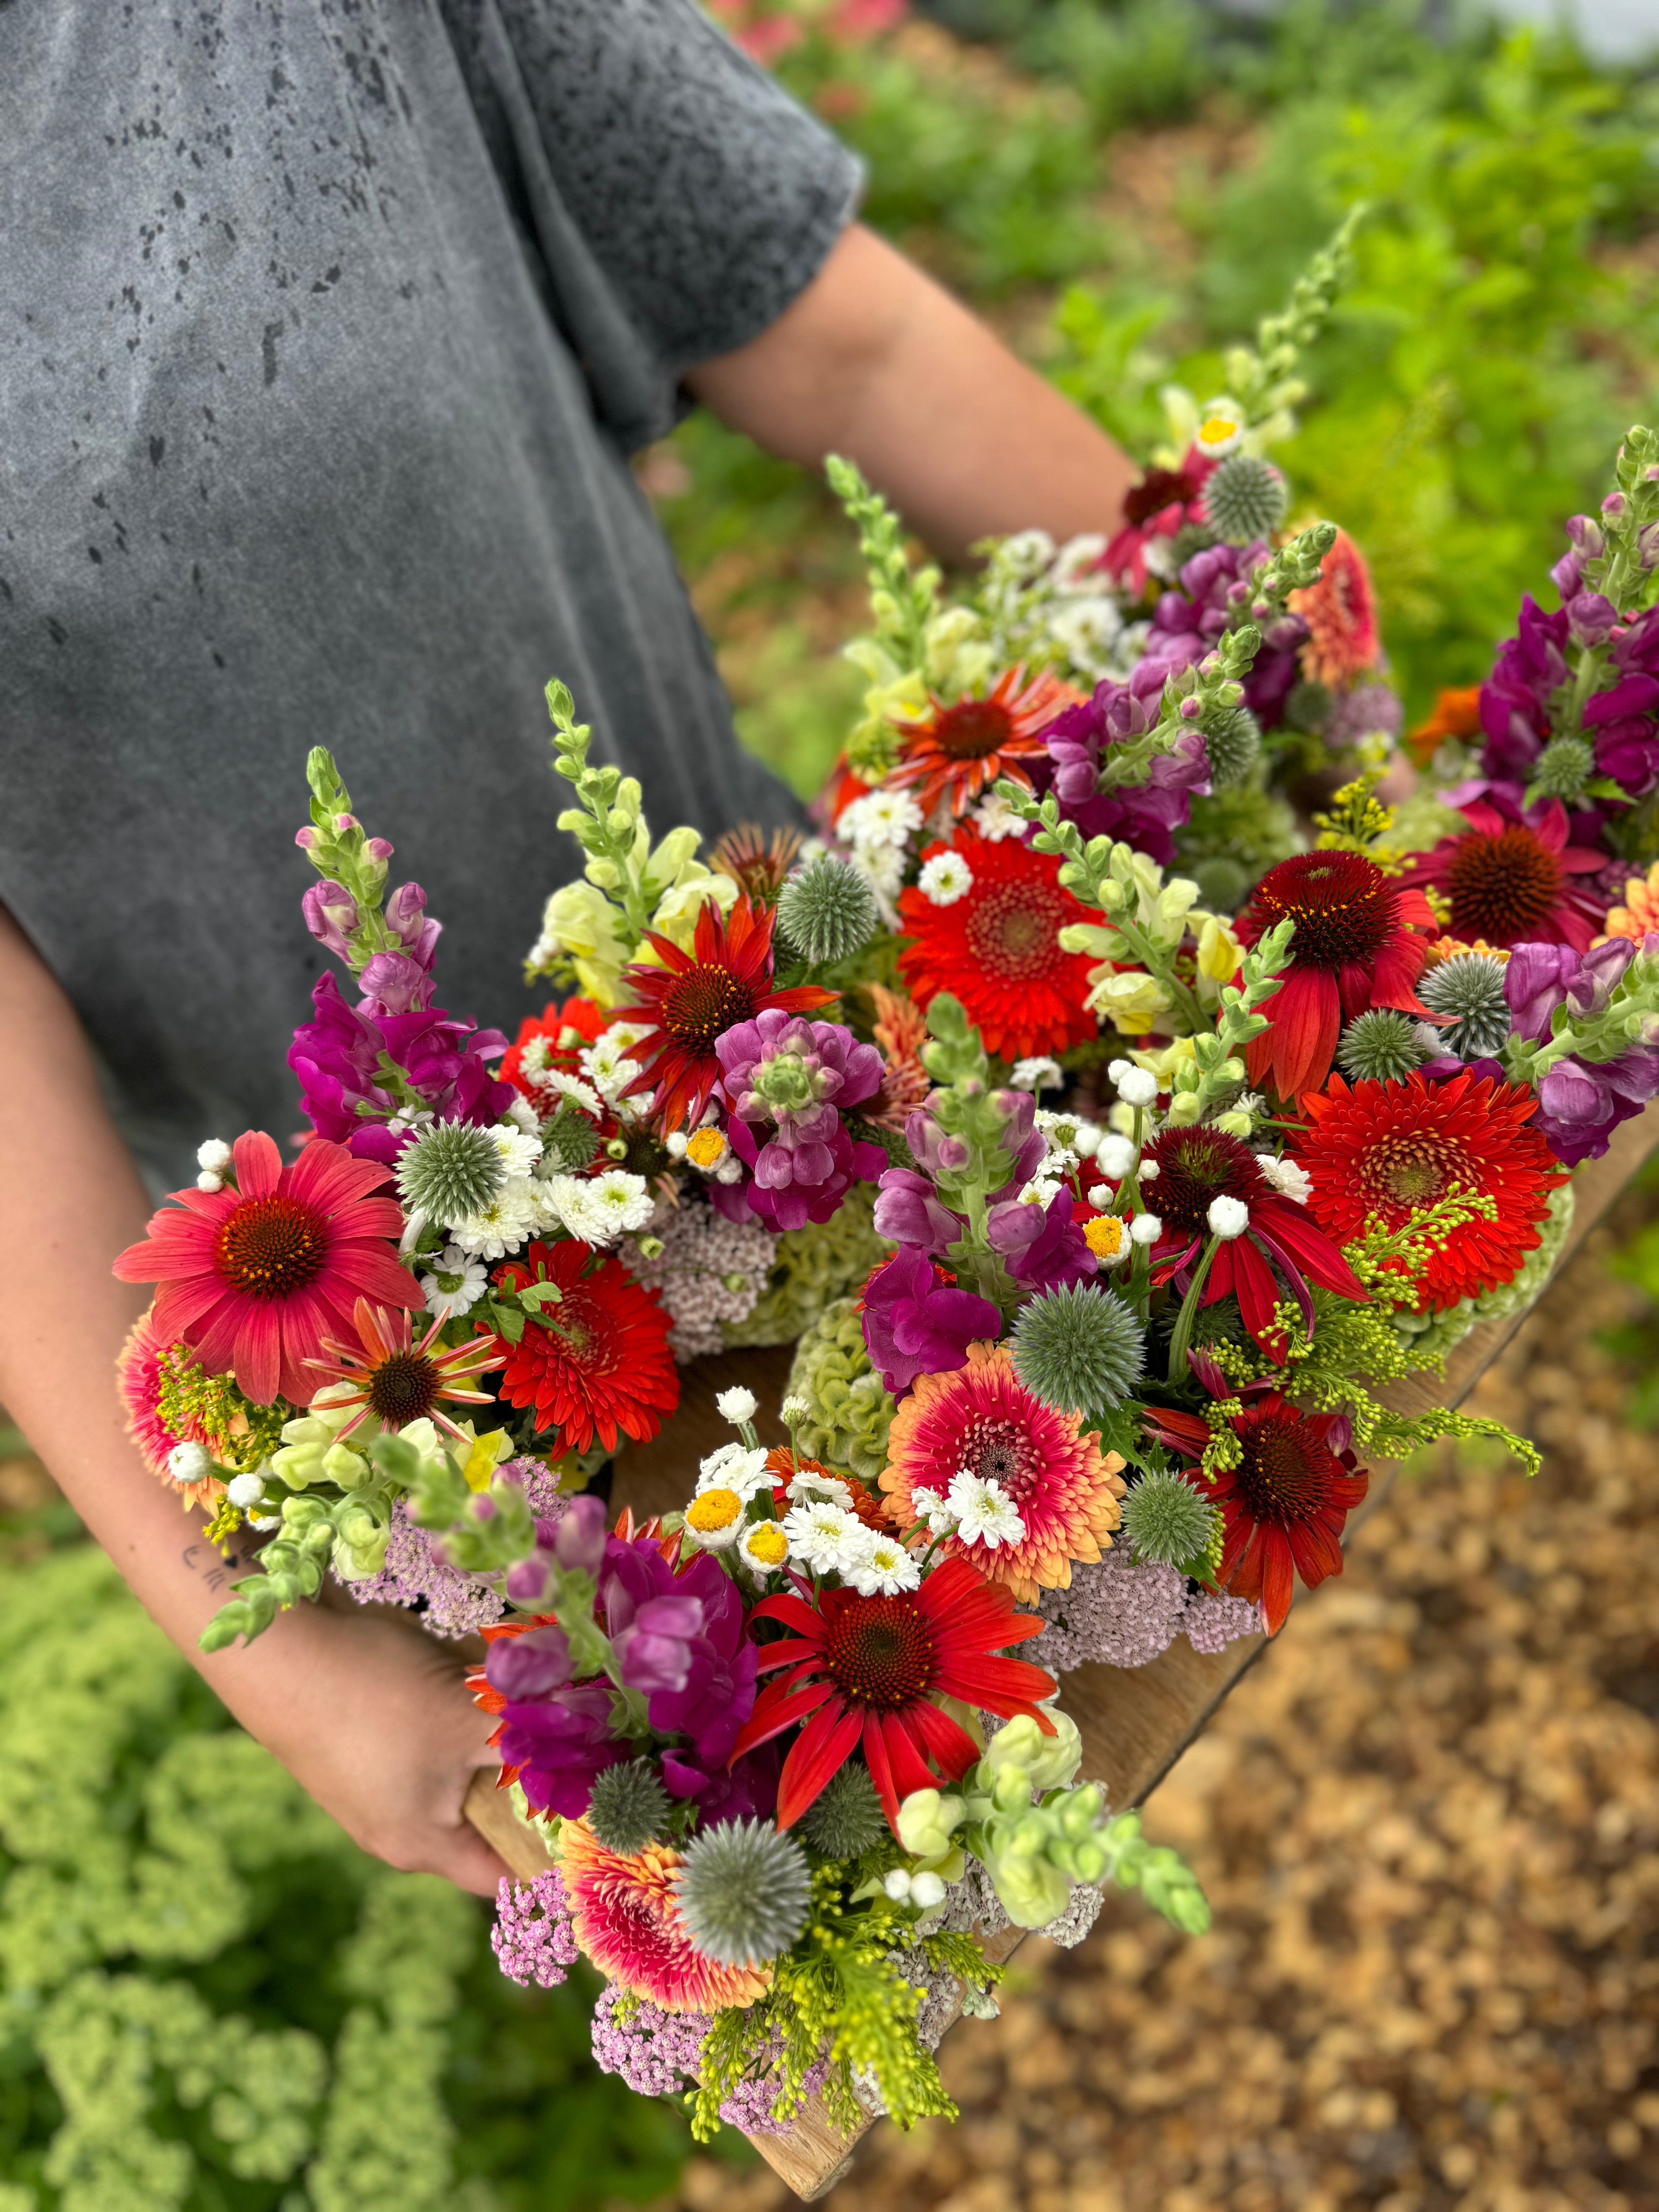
848,1410
813,1267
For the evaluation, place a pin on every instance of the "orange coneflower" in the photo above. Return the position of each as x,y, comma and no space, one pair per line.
962,747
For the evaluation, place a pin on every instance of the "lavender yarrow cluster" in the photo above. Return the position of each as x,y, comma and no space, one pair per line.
457,1603
532,1935
656,2053
750,2106
1123,1612
710,1270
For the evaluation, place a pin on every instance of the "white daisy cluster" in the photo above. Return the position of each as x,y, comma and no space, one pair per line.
877,831
945,878
1046,604
1070,1139
975,1510
820,1532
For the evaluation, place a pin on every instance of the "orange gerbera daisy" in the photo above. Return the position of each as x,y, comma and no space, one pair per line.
962,747
693,998
626,1917
1640,912
1341,612
996,948
394,1380
593,1359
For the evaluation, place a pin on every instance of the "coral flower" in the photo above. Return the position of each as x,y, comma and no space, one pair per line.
1381,1148
253,1279
1639,915
758,860
138,1372
1341,612
997,949
864,1672
595,1358
983,1419
1359,944
694,996
552,1039
393,1380
1456,714
1196,1166
1283,1507
1509,876
961,749
626,1919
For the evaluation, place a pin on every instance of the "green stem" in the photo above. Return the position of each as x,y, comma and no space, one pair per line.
1185,1319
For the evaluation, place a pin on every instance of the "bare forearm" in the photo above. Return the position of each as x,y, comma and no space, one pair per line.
877,361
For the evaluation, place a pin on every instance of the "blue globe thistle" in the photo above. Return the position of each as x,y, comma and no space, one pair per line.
1167,1521
827,910
1232,744
744,1889
1469,989
628,1808
846,1819
1380,1046
1079,1349
450,1169
1244,498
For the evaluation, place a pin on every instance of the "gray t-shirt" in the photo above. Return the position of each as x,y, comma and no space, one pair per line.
325,327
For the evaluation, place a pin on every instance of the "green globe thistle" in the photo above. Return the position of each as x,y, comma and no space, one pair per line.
827,910
1232,744
628,1808
1167,1522
1469,989
1380,1046
450,1169
1308,709
569,1141
1222,883
1244,498
1191,537
744,1889
1563,768
1078,1348
847,1818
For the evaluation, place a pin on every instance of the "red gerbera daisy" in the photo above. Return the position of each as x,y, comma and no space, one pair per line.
865,1671
552,1038
1341,612
1283,1507
694,996
1509,876
593,1359
997,948
1381,1148
961,749
1195,1167
254,1278
1359,944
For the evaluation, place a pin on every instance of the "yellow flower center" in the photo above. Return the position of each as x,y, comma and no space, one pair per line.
1106,1237
706,1148
767,1544
715,1510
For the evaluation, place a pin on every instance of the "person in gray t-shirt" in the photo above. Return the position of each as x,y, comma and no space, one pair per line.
325,334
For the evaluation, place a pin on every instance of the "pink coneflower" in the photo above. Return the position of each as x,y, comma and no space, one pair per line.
138,1372
395,1381
626,1919
254,1278
1509,877
982,1417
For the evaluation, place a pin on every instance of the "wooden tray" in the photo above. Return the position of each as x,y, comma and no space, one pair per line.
1135,1722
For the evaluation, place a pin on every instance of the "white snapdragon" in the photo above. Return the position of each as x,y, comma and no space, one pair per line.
945,878
737,1406
826,1538
503,1224
456,1283
883,1569
985,1512
1288,1178
1146,1228
1228,1218
735,1466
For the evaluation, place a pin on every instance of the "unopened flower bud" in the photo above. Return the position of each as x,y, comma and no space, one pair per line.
580,1542
1146,1228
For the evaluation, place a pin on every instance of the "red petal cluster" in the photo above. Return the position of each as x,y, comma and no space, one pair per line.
961,749
594,1362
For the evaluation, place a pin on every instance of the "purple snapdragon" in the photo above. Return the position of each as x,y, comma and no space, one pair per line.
787,1082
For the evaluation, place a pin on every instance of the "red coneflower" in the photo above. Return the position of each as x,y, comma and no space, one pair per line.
393,1380
866,1671
1283,1507
996,948
1358,945
253,1278
962,747
1509,876
694,996
1379,1150
594,1360
1341,612
1195,1167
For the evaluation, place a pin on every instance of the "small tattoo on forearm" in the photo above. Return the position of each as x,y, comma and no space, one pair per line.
217,1567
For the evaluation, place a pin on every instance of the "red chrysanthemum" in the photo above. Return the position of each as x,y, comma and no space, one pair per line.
997,948
1381,1148
1509,877
593,1359
139,1373
1359,943
961,749
694,996
393,1379
865,1672
562,1030
626,1917
254,1278
1341,612
1283,1507
1195,1167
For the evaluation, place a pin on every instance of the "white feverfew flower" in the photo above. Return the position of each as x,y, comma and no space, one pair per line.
1146,1228
1077,566
608,1067
929,1506
1228,1218
214,1157
883,1569
880,819
208,1181
824,1537
559,1084
502,1226
1041,1190
763,1549
1135,1087
1288,1178
1147,1171
733,1466
523,1116
995,819
882,868
985,1512
1040,1073
245,1490
807,1489
737,1406
945,878
191,1463
1116,1155
455,1282
617,1203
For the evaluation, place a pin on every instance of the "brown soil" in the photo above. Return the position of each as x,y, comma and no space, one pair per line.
1426,1824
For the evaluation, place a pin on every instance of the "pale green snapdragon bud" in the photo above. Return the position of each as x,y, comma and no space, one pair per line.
927,1822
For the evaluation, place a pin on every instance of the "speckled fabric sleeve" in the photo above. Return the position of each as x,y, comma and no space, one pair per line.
676,198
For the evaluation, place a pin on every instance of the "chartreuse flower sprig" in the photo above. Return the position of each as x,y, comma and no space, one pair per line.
903,602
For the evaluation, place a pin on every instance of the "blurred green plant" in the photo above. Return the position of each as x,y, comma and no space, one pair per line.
1635,1343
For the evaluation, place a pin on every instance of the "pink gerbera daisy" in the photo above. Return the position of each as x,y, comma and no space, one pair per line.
138,1372
982,1417
255,1278
626,1919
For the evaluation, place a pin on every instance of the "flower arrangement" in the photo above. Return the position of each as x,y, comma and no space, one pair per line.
1069,1380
